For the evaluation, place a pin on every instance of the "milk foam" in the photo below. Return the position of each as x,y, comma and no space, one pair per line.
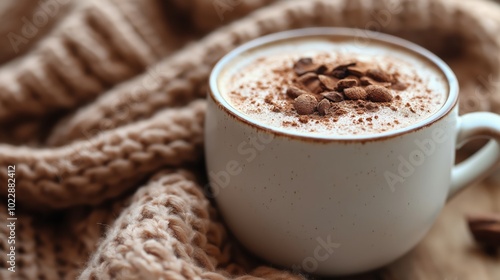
246,81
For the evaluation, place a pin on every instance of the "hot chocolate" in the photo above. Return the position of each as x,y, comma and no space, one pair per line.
333,88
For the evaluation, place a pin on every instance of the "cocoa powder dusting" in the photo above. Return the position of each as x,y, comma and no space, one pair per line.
323,93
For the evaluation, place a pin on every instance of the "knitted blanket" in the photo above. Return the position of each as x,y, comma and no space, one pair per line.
102,108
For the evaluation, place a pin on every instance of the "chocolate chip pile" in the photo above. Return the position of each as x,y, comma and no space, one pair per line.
485,228
318,87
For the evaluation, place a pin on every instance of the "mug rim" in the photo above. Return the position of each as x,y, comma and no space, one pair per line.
451,99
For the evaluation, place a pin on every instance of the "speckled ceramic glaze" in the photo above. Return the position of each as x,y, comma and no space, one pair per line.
334,206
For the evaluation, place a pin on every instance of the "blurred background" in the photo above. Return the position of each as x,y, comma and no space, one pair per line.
69,70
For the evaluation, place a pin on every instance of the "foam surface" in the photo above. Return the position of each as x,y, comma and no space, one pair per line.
267,71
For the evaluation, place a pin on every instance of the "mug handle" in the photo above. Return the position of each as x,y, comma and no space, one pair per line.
471,126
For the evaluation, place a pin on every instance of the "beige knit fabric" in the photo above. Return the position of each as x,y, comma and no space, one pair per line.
111,92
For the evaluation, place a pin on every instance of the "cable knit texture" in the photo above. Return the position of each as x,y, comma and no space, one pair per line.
101,111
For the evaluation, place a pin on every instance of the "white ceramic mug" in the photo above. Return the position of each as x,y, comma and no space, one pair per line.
330,205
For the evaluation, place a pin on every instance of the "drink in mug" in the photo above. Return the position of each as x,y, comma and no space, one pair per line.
265,83
333,152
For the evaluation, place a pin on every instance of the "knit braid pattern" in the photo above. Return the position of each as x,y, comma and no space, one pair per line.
91,50
186,72
167,232
103,117
57,245
94,170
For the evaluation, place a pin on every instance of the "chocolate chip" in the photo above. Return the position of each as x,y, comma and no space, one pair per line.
321,69
357,70
307,78
305,104
294,92
378,94
485,229
355,93
366,81
304,65
353,78
328,82
378,75
314,86
346,83
345,65
333,96
399,86
340,71
371,106
305,61
323,107
311,82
